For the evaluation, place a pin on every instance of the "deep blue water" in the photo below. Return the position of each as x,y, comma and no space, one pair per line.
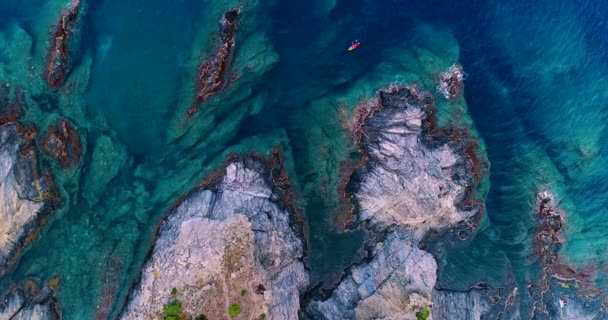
537,91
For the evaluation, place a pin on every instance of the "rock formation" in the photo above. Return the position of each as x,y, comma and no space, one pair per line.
413,178
212,73
562,292
228,250
62,142
26,197
395,284
29,303
451,82
59,53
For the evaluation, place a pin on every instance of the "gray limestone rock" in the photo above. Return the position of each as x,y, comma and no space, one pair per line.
226,245
415,179
395,284
412,178
18,305
23,196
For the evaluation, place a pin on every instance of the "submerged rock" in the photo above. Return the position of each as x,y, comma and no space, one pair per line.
25,196
11,106
21,304
108,158
230,247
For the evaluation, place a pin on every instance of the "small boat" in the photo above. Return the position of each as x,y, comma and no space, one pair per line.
354,46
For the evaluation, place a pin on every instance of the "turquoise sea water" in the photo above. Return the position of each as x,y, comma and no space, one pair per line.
536,91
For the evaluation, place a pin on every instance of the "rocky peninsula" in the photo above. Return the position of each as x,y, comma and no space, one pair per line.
413,178
230,249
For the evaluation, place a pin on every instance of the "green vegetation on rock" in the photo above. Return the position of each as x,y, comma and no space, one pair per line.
243,293
423,315
172,310
234,310
173,291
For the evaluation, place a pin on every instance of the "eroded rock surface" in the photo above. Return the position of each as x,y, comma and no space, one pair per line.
395,284
562,291
58,64
19,304
62,142
451,82
411,178
227,244
24,195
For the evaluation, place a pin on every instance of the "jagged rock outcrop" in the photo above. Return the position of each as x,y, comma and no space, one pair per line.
562,291
25,196
230,246
459,305
451,82
212,73
58,65
20,304
413,178
395,284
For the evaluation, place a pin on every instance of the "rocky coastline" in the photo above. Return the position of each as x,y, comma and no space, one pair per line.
30,302
28,197
413,178
230,249
562,291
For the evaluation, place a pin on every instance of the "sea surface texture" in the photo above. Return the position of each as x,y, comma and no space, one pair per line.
453,166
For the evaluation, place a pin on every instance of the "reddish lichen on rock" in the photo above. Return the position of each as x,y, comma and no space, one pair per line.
62,142
59,52
211,77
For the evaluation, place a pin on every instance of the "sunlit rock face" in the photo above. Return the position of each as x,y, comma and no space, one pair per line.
24,194
21,304
395,284
225,245
413,176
